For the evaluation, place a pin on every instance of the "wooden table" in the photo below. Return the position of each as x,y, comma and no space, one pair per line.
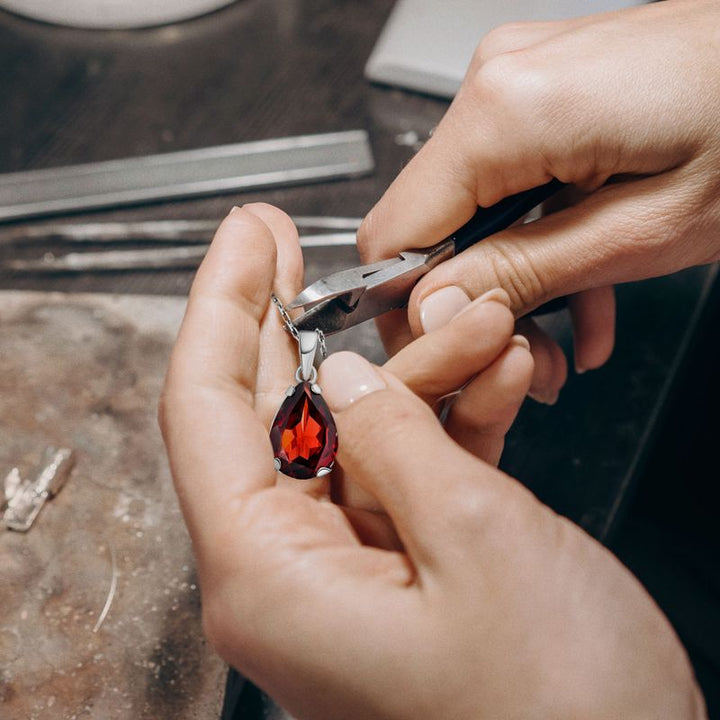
270,68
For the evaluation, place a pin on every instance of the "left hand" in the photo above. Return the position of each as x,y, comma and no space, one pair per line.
474,357
487,605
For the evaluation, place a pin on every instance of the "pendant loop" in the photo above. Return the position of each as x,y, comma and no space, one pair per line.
308,344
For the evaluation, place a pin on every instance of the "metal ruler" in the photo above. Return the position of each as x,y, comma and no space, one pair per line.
206,171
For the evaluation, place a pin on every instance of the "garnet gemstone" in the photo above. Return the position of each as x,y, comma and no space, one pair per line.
303,434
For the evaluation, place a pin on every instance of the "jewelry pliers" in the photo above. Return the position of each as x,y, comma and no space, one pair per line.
349,297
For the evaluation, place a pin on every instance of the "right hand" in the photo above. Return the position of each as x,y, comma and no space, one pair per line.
623,105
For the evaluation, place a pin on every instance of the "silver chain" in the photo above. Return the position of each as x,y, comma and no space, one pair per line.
321,342
287,320
290,326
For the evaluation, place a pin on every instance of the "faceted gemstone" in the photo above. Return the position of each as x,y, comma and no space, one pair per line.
303,434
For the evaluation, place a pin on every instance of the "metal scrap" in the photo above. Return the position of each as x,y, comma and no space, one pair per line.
25,498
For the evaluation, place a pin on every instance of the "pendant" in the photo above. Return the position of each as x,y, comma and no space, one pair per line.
303,434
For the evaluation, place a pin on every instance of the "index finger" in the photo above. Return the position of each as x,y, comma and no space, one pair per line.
218,448
474,157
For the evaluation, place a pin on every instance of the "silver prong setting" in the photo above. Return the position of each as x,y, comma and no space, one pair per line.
290,390
277,464
316,389
323,471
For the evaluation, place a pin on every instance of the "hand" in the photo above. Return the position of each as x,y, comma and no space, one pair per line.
473,364
624,106
492,606
473,360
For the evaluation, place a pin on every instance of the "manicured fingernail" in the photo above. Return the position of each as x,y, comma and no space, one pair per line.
520,341
438,308
580,370
346,377
236,213
546,397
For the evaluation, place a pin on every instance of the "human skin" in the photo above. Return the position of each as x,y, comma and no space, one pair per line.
625,107
458,595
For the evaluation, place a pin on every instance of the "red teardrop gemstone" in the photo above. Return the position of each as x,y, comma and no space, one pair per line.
303,433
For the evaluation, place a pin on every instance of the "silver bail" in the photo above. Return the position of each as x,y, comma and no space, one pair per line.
308,343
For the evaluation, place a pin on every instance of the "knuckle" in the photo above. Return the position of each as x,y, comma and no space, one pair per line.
500,39
514,88
472,514
504,510
475,512
514,271
504,79
487,80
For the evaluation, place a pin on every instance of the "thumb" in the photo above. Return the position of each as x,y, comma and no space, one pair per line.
622,232
393,446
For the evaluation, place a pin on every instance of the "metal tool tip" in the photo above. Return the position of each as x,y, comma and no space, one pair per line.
315,294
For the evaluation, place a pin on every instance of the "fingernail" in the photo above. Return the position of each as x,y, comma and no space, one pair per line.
347,377
520,341
546,397
234,210
438,308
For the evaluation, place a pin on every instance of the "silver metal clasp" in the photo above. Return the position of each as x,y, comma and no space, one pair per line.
25,498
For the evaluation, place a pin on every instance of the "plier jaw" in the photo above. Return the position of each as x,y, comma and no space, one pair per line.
349,297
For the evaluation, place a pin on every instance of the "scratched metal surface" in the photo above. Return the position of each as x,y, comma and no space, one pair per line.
85,372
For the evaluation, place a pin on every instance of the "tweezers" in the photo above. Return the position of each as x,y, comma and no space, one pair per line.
184,243
349,297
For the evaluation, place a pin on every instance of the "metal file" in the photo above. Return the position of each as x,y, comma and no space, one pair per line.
206,171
